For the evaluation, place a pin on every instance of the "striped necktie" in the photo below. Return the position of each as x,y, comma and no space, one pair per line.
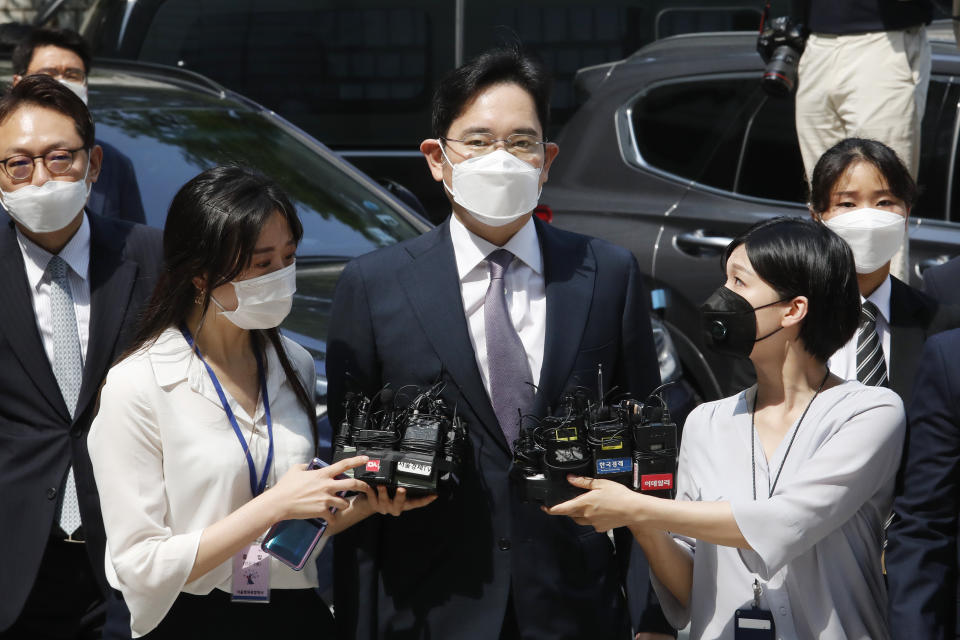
871,366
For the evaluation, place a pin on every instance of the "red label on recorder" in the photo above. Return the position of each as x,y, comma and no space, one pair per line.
656,482
373,465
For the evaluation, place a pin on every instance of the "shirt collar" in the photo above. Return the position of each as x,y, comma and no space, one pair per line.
76,253
173,361
470,249
881,298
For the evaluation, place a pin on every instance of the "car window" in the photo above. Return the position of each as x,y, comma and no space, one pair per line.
771,166
569,35
694,128
936,148
341,216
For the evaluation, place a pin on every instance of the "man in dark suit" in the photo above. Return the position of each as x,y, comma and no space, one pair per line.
914,317
922,558
71,286
942,282
509,313
64,55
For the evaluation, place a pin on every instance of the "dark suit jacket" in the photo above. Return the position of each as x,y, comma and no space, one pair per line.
38,440
446,571
942,282
116,194
914,316
922,552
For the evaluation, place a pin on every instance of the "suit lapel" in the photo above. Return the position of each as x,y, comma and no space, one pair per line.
909,318
570,272
19,322
431,285
111,282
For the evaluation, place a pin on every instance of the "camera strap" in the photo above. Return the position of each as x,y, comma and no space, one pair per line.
754,436
256,488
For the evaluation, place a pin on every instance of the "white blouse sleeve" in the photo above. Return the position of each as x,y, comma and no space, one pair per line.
832,485
677,614
151,564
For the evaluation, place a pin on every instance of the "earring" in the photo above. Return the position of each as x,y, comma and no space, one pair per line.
198,299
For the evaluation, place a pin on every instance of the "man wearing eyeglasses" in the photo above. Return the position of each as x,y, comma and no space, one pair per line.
71,287
509,313
64,55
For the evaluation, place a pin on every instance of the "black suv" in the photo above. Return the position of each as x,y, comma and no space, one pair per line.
678,149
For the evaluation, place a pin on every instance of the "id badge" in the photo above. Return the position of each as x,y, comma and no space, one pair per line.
754,624
251,575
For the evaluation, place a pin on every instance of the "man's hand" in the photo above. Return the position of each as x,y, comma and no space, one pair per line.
605,506
381,502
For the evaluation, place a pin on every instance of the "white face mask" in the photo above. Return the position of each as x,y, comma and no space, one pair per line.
79,88
263,302
873,235
496,188
49,207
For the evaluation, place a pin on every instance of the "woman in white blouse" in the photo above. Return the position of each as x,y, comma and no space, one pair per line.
783,489
205,425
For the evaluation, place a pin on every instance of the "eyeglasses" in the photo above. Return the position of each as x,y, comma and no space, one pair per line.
521,145
72,74
57,162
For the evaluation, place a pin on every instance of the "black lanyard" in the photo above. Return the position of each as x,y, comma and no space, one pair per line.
753,437
256,488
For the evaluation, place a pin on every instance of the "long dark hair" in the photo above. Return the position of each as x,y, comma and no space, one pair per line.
211,231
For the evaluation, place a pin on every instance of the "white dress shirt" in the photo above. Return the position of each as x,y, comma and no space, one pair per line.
843,363
815,544
168,464
76,253
524,285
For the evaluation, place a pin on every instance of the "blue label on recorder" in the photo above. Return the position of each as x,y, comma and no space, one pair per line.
614,465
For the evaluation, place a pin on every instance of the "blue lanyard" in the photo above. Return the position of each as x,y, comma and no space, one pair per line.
256,488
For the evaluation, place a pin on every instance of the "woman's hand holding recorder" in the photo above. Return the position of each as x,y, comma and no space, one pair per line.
316,493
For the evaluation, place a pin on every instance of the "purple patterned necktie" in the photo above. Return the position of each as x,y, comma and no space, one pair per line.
511,385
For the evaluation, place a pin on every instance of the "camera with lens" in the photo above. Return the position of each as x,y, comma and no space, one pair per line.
418,446
780,44
630,442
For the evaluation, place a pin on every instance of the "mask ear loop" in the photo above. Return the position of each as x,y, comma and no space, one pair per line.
445,157
217,302
769,304
86,174
444,153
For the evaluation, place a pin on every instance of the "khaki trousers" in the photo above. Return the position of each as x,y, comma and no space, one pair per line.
866,85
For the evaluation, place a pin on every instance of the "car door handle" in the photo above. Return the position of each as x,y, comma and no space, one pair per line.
698,243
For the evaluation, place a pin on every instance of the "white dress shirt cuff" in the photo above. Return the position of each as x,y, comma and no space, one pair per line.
770,539
151,581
